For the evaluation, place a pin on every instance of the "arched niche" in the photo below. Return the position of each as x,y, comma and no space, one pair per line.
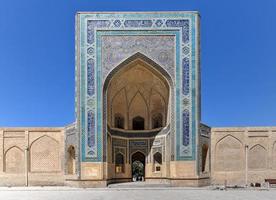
118,108
71,160
44,155
205,158
119,163
14,160
138,123
257,157
156,120
229,154
119,121
137,87
138,113
157,162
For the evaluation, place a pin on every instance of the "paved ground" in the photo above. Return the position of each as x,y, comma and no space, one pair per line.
63,193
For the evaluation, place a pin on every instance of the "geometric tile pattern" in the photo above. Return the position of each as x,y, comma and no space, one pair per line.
89,102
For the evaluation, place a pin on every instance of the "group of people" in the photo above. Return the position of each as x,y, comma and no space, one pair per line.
137,178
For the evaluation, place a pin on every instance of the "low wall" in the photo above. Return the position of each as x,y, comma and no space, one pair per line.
31,156
241,156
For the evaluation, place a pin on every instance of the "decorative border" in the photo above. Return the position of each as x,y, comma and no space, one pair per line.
162,70
89,100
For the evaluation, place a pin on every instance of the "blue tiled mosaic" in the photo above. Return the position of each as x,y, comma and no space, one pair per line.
90,77
91,139
89,68
186,127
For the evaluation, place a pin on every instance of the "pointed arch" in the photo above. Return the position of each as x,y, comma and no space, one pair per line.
119,121
162,97
118,104
44,155
137,93
137,151
257,146
137,87
138,155
117,93
144,67
157,106
43,136
133,58
157,158
138,107
71,160
226,136
138,161
257,157
229,154
14,160
14,146
156,120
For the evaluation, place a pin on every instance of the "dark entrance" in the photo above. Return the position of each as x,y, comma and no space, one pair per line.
138,123
138,166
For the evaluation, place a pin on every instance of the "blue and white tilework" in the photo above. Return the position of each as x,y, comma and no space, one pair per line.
95,59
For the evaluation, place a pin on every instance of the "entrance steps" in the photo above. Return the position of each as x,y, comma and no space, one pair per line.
140,184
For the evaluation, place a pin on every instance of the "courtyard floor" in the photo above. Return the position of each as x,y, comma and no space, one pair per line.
166,193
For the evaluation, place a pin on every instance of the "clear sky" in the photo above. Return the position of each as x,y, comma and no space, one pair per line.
238,58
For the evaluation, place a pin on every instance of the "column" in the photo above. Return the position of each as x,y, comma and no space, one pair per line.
26,150
246,165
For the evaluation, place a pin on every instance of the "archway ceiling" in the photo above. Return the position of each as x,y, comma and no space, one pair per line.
138,79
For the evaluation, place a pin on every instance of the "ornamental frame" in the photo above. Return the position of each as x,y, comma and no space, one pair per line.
89,84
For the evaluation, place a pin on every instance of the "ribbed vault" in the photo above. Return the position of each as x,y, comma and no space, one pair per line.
138,90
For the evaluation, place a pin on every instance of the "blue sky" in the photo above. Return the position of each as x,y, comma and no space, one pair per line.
37,58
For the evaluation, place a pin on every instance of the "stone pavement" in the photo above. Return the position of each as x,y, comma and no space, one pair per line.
165,193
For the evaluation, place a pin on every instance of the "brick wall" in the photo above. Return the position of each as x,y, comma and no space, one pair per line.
32,156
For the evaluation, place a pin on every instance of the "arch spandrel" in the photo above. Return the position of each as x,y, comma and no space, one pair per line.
152,53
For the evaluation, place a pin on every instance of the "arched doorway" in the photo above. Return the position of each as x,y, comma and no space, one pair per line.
138,166
137,99
71,156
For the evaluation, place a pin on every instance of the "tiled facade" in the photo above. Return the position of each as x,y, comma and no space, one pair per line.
98,31
169,41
